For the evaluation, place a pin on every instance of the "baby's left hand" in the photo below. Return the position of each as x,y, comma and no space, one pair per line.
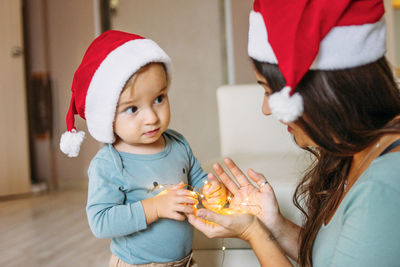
215,194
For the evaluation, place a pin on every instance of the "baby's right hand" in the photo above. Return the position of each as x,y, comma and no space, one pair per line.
173,202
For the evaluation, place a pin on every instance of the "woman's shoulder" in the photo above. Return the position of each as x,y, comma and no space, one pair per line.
380,181
384,170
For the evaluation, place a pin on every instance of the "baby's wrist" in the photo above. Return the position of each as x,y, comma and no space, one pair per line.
150,210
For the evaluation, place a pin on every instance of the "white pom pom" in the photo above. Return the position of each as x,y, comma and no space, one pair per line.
284,107
70,142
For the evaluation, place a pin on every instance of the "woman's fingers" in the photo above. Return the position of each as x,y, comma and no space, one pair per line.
236,172
211,230
258,178
223,220
225,179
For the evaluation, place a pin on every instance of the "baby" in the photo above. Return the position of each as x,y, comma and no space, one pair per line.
138,182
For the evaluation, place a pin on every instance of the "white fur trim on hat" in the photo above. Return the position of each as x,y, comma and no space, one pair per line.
109,80
285,107
343,47
70,142
258,46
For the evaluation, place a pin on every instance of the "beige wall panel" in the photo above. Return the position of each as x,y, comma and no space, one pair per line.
70,31
240,27
14,160
192,33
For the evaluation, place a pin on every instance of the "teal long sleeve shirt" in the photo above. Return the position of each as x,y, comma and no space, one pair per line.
118,182
364,232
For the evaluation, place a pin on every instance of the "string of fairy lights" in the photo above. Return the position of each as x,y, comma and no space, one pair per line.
224,207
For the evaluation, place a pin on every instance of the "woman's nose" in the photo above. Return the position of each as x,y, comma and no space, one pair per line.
265,107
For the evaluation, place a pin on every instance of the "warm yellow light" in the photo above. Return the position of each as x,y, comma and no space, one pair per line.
396,3
223,247
205,182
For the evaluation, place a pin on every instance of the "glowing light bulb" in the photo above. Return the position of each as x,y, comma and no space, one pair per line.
223,248
205,182
229,198
202,196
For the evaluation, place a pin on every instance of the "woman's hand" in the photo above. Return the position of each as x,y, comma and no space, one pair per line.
217,225
171,203
260,201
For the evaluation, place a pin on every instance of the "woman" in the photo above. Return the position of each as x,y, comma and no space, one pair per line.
348,117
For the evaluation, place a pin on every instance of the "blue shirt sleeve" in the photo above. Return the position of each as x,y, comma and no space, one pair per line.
370,234
197,175
108,214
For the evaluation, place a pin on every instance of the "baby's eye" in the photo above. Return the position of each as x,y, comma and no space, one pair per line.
131,110
159,99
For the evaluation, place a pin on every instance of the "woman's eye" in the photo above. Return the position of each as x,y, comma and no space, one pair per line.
131,110
267,93
159,99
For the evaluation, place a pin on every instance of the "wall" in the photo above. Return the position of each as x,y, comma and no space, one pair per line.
192,34
240,24
70,31
195,46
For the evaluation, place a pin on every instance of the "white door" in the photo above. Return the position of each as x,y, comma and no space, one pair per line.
14,157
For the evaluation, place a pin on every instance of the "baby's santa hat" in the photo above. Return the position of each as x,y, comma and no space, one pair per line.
109,62
299,35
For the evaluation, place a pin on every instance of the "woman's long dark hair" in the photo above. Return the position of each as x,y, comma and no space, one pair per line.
345,111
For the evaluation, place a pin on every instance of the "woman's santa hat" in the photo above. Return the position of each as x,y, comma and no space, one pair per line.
109,62
299,35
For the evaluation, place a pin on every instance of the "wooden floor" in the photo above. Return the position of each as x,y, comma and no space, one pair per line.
50,230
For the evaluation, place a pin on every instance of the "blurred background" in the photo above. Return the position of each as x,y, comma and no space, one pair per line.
42,43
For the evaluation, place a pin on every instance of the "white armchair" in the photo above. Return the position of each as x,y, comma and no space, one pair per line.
256,141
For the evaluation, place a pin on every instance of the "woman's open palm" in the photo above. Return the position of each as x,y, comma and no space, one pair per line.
246,197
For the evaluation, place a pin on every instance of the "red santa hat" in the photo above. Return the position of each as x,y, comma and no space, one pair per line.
109,62
299,35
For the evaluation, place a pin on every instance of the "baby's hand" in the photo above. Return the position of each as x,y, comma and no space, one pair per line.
173,202
214,193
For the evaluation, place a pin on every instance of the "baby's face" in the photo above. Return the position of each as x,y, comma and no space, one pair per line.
143,113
